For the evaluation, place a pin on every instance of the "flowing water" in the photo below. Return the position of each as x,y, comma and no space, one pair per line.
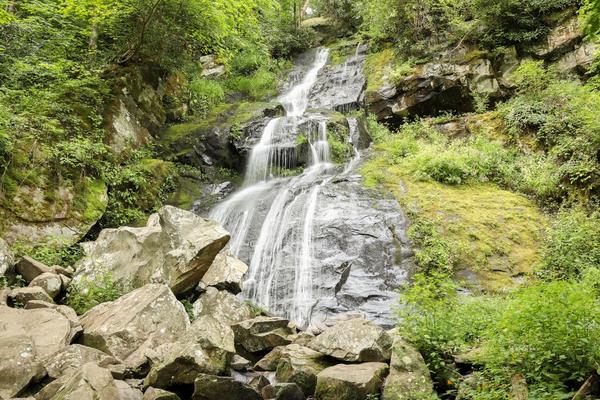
276,221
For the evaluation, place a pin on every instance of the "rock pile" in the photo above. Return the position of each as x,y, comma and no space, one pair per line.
143,346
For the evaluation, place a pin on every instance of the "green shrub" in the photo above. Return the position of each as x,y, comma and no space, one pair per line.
549,333
286,41
204,95
572,244
434,253
259,85
88,293
247,62
51,254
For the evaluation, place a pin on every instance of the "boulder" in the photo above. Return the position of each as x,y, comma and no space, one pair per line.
302,338
22,296
67,312
222,306
159,394
89,382
351,382
282,391
126,392
258,382
206,348
226,273
262,333
74,357
7,258
409,377
270,361
50,282
29,268
208,387
4,296
239,363
27,339
300,365
354,340
139,321
176,247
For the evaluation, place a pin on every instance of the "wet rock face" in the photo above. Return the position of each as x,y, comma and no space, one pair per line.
176,247
363,251
341,87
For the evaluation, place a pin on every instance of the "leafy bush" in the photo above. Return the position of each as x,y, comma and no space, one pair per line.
88,293
247,62
204,95
572,244
259,85
290,40
51,254
434,252
549,333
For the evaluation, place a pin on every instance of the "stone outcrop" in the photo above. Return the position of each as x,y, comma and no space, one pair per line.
351,382
129,326
354,340
89,382
262,333
176,247
205,348
409,377
27,339
226,273
207,387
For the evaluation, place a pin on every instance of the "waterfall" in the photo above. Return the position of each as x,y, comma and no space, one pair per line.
272,217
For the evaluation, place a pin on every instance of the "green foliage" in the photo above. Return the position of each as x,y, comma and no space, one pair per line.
572,244
259,85
204,95
547,332
88,293
560,115
591,15
435,253
517,21
189,308
51,254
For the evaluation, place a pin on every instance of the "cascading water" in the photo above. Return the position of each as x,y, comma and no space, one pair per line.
274,220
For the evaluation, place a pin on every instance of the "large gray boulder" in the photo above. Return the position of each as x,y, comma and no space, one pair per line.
27,339
351,382
300,365
67,312
74,357
354,340
283,391
226,273
24,295
139,321
222,306
208,387
263,333
29,268
89,382
176,247
159,394
7,258
50,282
409,377
206,348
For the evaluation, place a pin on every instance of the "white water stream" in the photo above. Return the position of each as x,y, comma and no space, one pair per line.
292,204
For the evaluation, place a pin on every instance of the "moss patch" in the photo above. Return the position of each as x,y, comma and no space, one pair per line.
497,233
377,67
